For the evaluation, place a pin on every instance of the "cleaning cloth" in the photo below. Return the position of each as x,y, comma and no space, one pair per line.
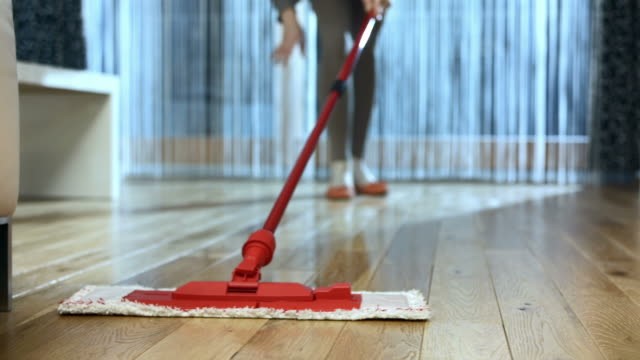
109,300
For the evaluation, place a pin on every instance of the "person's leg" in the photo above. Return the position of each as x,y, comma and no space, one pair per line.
364,78
334,19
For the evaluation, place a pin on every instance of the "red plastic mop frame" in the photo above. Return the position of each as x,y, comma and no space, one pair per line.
245,289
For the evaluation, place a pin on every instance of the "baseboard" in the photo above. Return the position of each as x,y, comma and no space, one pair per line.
462,153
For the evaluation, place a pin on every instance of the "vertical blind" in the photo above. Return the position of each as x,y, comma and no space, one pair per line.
493,90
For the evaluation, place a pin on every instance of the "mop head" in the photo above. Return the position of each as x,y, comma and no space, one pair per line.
110,300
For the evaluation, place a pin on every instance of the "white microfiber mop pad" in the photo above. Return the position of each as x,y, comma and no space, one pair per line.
108,300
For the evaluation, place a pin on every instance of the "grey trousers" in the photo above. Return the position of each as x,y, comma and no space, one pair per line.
335,19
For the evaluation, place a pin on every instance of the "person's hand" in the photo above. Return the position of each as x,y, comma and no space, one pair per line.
291,36
378,5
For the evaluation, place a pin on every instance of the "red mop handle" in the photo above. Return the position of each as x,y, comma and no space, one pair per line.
336,91
259,248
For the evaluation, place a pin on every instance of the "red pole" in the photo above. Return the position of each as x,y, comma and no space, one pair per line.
298,169
259,248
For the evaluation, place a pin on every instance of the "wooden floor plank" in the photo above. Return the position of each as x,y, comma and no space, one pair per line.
32,280
35,235
607,313
616,215
466,322
291,339
591,237
155,246
538,320
399,270
379,340
92,338
204,339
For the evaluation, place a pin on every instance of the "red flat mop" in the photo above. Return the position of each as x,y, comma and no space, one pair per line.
244,295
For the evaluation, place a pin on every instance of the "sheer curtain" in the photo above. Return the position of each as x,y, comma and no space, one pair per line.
491,90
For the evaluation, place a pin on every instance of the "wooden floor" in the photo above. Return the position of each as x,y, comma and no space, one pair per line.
521,272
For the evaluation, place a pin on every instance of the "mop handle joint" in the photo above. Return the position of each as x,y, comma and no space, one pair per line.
339,86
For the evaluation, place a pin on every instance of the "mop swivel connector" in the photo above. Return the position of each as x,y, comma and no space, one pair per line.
256,252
